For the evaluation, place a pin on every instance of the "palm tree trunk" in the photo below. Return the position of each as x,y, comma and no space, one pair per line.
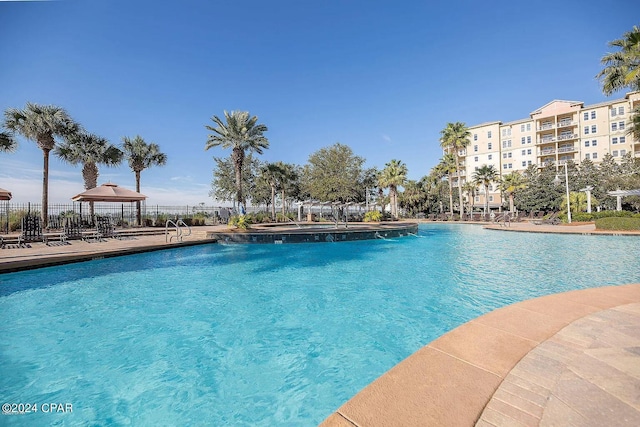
511,202
44,215
90,176
283,208
138,212
461,208
238,160
273,203
450,196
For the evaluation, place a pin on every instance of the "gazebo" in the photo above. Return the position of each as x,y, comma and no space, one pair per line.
6,195
619,194
109,192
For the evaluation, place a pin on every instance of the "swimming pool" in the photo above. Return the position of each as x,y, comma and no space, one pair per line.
265,334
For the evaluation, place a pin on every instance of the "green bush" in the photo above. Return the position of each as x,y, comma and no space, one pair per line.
587,217
373,216
242,222
618,223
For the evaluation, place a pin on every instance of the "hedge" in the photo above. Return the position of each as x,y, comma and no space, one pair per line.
618,223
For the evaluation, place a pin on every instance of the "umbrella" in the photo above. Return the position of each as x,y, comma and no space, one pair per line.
109,193
5,194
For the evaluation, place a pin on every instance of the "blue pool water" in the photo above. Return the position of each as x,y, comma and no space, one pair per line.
265,334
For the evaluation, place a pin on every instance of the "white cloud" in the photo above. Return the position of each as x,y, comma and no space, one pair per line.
387,138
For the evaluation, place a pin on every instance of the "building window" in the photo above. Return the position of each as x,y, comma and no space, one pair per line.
489,134
476,168
509,154
594,142
614,140
623,139
491,198
528,127
510,165
586,115
529,151
593,115
613,112
475,148
504,155
521,128
489,145
509,132
504,166
593,128
524,152
477,198
620,111
595,156
586,156
523,140
528,162
524,164
504,132
586,143
614,153
614,126
475,136
586,130
528,140
621,125
623,152
475,159
490,156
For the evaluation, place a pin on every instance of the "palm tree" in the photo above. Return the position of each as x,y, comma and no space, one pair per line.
8,143
141,156
240,133
287,179
42,124
470,188
89,150
622,68
271,173
455,139
392,176
511,184
446,167
484,176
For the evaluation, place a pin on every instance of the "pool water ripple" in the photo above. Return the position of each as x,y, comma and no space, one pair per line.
265,334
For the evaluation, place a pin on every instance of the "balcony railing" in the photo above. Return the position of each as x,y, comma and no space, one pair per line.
546,140
545,126
565,123
565,137
547,152
567,149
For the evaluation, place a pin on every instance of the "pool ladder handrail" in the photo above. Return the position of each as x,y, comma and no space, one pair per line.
179,230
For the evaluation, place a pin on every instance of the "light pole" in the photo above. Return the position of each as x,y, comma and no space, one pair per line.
587,190
556,181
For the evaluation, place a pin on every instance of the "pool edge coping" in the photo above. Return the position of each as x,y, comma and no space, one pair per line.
450,380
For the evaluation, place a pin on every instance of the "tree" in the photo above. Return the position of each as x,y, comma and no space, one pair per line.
272,173
414,196
223,185
484,176
333,174
42,124
393,175
89,150
511,184
8,143
470,189
287,182
240,133
622,71
141,156
455,139
446,167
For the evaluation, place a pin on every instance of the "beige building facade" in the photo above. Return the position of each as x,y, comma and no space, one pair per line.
554,134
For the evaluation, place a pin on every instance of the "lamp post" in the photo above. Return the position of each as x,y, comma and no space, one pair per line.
587,190
556,181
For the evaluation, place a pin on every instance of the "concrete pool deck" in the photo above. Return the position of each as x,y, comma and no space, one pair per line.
565,359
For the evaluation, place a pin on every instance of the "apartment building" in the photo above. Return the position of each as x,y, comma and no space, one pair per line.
553,134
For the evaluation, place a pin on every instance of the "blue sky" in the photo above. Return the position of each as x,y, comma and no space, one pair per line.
382,77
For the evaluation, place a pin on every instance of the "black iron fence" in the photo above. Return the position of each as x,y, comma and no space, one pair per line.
122,214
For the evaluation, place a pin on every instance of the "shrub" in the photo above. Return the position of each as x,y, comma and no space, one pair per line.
618,223
373,216
242,222
586,217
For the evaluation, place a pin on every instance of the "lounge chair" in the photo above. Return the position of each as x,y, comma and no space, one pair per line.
73,228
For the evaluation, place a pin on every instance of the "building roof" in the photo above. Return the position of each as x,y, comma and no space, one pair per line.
602,104
571,103
485,124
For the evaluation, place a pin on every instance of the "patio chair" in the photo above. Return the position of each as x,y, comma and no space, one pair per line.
105,226
73,228
31,230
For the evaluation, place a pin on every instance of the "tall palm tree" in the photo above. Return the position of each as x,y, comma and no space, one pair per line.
455,139
392,176
470,188
8,143
141,156
240,133
446,167
511,184
42,124
484,176
89,150
287,178
622,68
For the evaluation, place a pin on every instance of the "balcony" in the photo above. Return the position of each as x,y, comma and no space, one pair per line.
547,152
567,136
570,149
566,123
546,140
546,163
545,126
